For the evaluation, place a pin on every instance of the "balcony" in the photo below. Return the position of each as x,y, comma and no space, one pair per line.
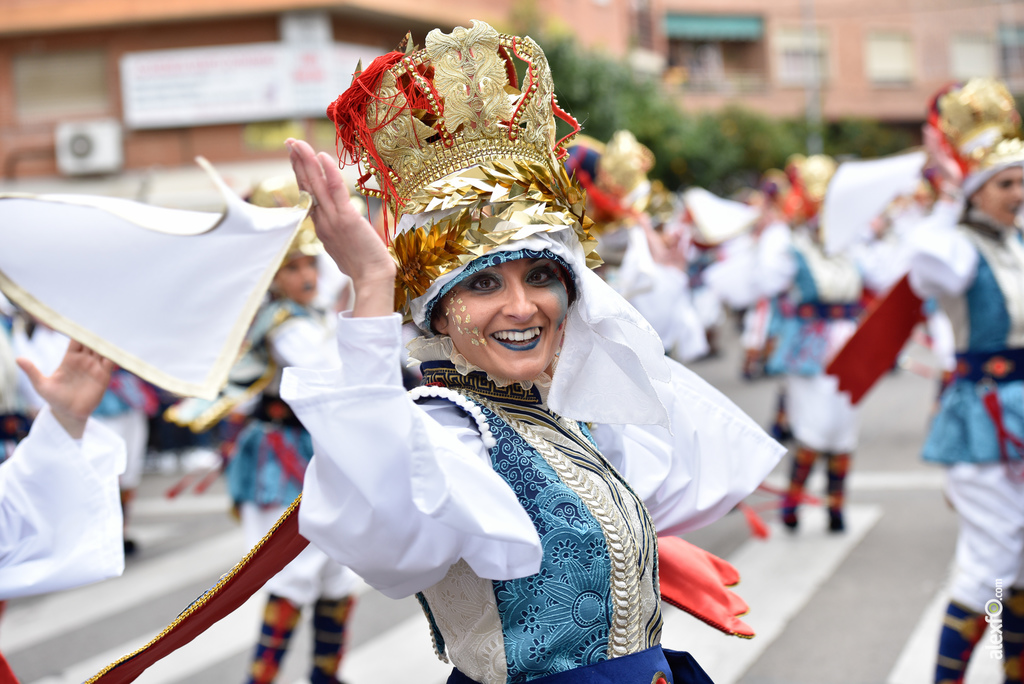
732,82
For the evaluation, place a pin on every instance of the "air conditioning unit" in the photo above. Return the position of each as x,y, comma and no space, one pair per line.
89,147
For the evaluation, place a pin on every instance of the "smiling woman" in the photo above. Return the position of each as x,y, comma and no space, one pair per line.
519,492
508,319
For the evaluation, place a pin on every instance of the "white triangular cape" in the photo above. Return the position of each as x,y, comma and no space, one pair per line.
165,293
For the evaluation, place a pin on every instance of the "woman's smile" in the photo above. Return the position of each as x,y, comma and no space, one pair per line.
518,340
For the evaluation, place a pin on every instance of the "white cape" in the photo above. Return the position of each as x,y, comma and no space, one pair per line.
167,294
860,191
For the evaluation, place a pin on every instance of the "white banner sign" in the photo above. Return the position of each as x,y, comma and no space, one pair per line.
235,84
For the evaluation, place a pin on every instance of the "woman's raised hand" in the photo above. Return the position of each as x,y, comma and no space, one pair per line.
349,239
75,388
941,160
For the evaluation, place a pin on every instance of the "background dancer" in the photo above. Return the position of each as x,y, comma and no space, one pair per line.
969,255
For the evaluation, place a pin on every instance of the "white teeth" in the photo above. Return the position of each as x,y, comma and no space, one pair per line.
517,335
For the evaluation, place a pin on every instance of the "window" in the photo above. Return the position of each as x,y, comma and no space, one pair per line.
971,56
889,58
59,84
801,57
717,52
1011,55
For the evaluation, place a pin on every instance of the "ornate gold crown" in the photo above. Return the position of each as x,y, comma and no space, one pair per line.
623,167
975,117
1006,151
283,191
618,189
813,174
449,128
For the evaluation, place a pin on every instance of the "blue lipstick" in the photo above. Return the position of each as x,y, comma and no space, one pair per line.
519,347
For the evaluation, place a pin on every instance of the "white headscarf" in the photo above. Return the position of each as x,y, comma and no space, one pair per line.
974,181
612,366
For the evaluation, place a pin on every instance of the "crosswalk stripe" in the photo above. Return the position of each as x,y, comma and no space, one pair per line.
401,654
182,505
214,646
916,664
778,578
56,614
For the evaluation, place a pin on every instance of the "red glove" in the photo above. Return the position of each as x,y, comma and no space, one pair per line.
695,581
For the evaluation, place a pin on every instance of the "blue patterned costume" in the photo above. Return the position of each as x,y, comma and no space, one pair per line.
596,595
963,431
802,328
273,449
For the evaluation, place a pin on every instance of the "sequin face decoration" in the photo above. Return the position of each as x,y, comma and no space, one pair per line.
508,319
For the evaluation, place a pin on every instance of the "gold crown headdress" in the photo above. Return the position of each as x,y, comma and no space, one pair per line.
812,174
283,191
449,128
975,117
614,175
1006,151
981,126
623,167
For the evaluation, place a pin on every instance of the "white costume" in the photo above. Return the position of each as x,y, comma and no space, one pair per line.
967,271
533,552
305,342
60,511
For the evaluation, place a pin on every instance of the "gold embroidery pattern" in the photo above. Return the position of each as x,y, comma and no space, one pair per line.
625,634
644,526
470,76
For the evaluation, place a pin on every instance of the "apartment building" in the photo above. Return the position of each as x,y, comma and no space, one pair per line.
881,59
92,87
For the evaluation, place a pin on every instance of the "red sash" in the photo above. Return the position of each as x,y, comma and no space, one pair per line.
6,673
267,558
690,578
873,349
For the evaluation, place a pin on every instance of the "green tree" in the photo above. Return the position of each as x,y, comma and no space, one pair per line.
722,151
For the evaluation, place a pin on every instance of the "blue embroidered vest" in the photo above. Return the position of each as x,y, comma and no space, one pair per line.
987,319
595,596
273,449
802,330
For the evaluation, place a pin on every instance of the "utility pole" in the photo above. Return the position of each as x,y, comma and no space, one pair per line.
812,85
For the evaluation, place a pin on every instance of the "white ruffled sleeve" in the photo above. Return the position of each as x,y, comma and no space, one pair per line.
60,509
776,264
303,342
393,493
943,263
753,270
712,459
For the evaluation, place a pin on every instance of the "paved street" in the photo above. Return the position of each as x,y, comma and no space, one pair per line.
862,607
